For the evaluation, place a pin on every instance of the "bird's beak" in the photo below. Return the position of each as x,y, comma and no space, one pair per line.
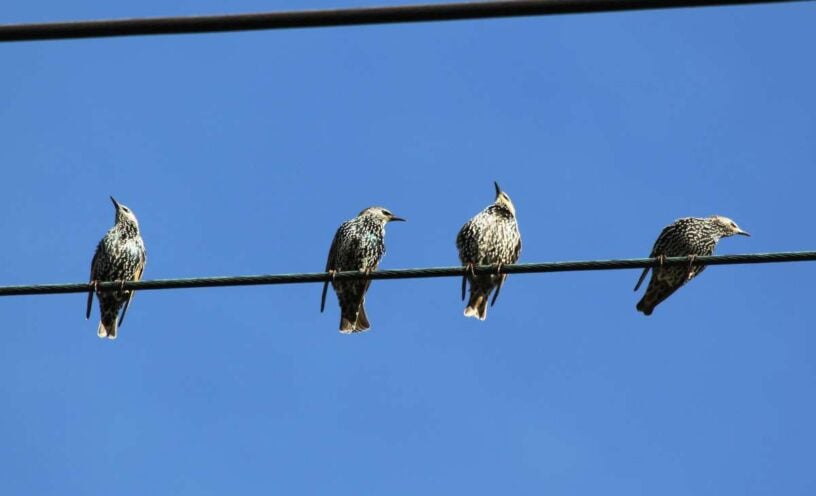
498,189
743,233
115,203
395,218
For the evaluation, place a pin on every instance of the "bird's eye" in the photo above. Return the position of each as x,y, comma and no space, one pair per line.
386,213
733,225
125,209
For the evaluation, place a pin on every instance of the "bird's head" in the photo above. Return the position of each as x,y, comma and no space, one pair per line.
726,226
503,200
124,216
382,214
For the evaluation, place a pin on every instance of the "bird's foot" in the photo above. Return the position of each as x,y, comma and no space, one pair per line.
661,259
94,285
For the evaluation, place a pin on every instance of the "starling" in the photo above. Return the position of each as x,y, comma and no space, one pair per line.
686,237
490,238
120,256
359,244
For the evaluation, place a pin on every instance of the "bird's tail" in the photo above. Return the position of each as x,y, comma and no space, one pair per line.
107,328
354,319
655,294
477,305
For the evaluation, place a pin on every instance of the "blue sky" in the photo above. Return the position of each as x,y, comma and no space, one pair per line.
242,153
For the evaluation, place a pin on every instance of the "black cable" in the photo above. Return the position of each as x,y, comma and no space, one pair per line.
340,17
205,282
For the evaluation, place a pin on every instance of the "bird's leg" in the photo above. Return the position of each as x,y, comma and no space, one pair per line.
94,285
468,267
690,274
661,259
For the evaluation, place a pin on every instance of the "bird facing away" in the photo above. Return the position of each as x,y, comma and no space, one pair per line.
359,244
686,237
120,256
490,238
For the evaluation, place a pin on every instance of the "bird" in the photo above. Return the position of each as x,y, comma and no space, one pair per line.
358,244
691,237
490,238
120,256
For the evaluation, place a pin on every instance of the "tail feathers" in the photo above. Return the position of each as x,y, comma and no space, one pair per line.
477,305
655,294
645,306
354,319
107,327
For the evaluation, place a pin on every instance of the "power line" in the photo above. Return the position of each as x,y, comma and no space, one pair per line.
340,17
205,282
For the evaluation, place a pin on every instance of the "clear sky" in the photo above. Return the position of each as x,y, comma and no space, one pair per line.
242,153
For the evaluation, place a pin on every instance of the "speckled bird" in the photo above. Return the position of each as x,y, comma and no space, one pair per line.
120,256
359,244
686,237
490,238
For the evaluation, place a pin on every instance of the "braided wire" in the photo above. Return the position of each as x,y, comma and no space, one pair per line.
340,17
312,277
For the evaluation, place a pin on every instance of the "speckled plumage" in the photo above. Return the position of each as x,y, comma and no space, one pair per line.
120,256
689,236
358,244
490,238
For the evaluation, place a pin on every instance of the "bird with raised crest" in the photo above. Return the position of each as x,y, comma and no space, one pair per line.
490,238
687,237
120,256
358,244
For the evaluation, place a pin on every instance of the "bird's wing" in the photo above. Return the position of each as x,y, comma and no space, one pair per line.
462,236
460,247
137,276
642,277
517,251
657,249
93,276
331,264
503,277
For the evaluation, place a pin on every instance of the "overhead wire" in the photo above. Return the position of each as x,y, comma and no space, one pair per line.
355,16
459,271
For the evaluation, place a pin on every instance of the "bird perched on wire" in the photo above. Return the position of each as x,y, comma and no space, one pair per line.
359,244
687,237
120,256
490,238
